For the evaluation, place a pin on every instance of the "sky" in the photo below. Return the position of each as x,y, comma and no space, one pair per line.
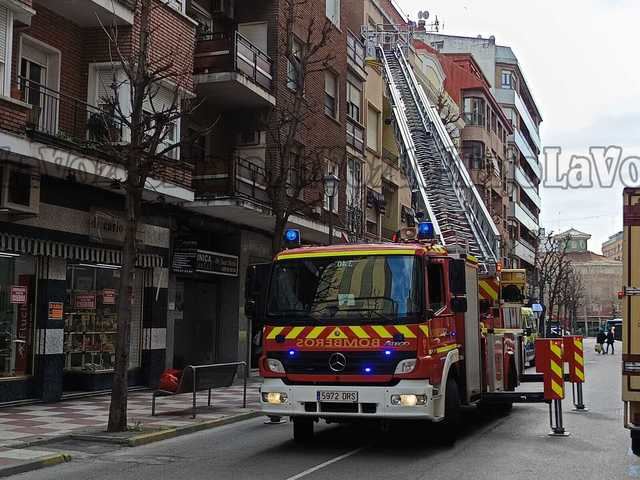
580,61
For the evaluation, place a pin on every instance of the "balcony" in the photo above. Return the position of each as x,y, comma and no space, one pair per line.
356,55
232,72
355,136
524,252
527,186
511,97
94,13
233,189
527,153
526,218
70,124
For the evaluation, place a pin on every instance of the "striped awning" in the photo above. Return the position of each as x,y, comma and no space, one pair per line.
83,253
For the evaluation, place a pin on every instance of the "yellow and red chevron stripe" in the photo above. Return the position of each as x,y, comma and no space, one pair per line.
489,289
385,332
554,378
576,361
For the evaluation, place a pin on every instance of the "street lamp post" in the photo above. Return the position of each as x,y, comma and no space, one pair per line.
331,183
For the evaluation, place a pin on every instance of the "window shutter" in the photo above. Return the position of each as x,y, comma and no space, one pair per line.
104,82
330,84
4,27
162,99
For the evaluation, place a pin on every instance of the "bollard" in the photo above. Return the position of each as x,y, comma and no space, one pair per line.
574,356
551,364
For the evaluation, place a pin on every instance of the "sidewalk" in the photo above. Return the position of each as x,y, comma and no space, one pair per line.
37,424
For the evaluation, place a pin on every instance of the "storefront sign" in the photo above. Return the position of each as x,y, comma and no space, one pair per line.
188,259
18,295
56,310
86,301
105,227
109,296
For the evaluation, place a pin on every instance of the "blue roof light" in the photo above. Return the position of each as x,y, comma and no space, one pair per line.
292,236
425,231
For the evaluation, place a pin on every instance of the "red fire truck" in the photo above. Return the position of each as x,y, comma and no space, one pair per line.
393,331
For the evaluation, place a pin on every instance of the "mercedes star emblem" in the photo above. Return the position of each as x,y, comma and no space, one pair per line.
337,362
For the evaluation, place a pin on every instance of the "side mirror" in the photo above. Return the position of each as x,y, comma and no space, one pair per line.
458,277
256,284
459,304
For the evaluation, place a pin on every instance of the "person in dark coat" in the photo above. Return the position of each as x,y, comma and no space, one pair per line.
600,339
611,338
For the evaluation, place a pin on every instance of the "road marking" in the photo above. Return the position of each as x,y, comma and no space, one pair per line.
326,464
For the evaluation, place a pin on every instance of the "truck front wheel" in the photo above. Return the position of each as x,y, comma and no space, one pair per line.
450,426
302,429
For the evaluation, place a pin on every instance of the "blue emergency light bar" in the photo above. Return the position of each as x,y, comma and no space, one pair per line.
425,231
292,237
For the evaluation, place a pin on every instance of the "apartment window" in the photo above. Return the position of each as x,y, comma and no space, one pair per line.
354,183
293,70
331,95
373,129
333,11
473,154
176,5
474,111
5,49
355,50
332,169
508,80
354,100
494,122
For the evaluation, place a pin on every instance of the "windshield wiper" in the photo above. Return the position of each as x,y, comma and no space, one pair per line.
380,315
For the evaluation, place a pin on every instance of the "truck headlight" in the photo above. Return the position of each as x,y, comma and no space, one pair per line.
274,398
408,400
406,366
275,365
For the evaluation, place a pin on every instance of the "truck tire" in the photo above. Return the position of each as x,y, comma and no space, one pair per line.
450,426
302,429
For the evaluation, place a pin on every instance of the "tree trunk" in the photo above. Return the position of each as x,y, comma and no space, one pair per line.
118,406
278,233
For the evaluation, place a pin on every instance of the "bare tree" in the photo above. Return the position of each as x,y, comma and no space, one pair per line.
140,135
554,271
292,165
450,116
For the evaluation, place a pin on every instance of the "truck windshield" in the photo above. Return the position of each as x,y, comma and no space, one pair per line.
364,289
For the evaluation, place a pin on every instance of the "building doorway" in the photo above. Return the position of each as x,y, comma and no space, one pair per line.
196,329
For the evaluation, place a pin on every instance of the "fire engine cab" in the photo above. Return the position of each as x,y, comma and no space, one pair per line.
390,331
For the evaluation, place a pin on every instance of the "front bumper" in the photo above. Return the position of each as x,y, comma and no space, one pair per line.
373,402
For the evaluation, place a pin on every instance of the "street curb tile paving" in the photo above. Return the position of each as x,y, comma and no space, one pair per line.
15,466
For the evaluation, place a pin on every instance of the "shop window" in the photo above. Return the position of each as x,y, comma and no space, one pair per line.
17,293
91,318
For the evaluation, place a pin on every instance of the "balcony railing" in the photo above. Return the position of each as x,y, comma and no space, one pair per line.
355,50
59,119
354,220
219,52
231,177
355,135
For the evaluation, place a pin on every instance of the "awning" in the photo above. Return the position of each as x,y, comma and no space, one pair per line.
83,253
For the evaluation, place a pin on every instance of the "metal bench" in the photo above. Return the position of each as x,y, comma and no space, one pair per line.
197,378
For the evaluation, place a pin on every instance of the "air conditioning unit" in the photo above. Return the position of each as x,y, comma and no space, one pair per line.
19,189
224,8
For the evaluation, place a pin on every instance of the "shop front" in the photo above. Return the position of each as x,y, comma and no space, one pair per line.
58,314
202,306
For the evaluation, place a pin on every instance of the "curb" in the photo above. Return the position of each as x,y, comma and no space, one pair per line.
147,438
164,434
48,461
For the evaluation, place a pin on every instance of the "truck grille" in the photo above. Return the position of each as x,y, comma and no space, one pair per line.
305,363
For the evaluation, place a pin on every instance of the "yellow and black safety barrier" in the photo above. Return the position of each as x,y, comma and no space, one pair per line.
574,357
550,362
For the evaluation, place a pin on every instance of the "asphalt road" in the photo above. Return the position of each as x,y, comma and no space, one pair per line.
513,447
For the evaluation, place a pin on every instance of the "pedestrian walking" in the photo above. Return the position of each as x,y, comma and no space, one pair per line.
600,339
611,338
